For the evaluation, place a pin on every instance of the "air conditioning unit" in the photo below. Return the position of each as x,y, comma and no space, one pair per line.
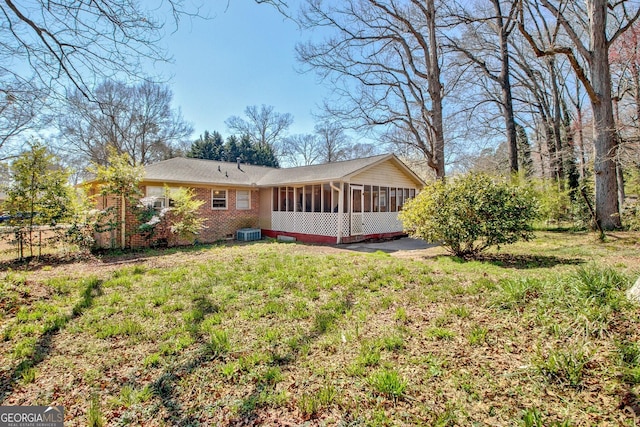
248,234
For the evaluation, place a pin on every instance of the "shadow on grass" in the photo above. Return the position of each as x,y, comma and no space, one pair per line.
524,262
43,345
167,386
108,256
520,262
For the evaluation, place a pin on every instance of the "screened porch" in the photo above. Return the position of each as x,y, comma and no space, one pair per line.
338,209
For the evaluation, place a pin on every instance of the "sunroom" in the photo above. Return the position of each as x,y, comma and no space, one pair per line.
354,207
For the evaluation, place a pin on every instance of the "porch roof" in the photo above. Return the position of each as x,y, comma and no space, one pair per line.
336,171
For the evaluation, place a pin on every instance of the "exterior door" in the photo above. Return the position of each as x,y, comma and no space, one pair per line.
357,204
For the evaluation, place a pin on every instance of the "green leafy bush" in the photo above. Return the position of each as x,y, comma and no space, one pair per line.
470,214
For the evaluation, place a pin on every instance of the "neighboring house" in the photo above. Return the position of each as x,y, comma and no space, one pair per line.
337,202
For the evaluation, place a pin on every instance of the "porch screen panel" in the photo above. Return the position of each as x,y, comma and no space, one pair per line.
290,200
308,198
346,196
376,198
383,199
317,198
367,198
326,198
283,199
392,200
275,202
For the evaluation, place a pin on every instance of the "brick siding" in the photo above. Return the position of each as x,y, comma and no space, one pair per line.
219,224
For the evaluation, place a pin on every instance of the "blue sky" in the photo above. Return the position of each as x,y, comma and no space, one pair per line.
244,55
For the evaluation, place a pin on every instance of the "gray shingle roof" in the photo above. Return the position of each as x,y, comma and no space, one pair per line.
211,172
326,172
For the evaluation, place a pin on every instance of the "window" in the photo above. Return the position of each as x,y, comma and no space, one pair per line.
159,197
243,200
155,197
218,199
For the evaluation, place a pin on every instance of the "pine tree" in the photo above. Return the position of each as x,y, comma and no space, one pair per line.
210,147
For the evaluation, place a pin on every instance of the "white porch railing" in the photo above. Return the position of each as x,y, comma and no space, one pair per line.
317,223
326,223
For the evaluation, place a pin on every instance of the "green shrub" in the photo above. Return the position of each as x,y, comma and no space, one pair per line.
470,214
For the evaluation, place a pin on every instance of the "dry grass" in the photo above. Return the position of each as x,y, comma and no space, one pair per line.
282,334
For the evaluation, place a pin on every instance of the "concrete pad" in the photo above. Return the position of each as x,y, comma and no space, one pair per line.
403,244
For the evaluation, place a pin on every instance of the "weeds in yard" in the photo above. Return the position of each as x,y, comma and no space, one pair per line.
324,320
534,418
438,333
310,404
461,311
563,367
602,286
28,375
389,383
95,418
369,354
514,294
219,343
477,335
393,342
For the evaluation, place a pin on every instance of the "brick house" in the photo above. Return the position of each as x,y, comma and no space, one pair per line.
338,202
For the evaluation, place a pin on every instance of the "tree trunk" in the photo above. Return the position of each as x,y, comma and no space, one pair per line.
556,125
580,139
435,92
607,208
505,85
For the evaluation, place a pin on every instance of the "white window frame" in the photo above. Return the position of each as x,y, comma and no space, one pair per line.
226,199
246,198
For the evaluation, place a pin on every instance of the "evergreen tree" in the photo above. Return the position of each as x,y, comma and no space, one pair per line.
39,193
266,157
231,148
210,147
524,150
248,151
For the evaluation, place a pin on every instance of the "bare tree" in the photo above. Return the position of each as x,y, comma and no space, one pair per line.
77,42
333,142
137,120
302,150
484,41
264,126
584,36
383,61
21,105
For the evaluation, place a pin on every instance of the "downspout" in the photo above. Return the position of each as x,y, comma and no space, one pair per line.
123,218
340,210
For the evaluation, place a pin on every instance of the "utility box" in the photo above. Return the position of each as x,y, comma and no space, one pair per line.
248,234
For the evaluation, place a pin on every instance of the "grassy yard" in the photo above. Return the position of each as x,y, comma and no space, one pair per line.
538,334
